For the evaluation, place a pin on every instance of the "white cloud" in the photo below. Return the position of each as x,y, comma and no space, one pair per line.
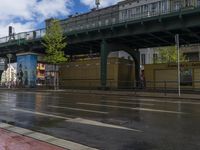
24,15
53,8
19,27
103,3
20,8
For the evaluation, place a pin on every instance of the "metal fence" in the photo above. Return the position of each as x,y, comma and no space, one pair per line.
134,86
165,87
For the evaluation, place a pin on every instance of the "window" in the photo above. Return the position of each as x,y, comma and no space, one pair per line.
155,58
153,7
194,56
198,2
144,10
188,3
177,5
138,11
124,15
143,59
164,6
186,77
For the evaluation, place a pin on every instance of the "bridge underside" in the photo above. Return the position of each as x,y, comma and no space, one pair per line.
143,33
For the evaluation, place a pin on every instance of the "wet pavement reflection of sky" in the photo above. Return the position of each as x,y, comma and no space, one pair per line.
106,122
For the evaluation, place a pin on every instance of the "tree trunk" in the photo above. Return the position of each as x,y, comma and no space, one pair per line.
58,77
54,78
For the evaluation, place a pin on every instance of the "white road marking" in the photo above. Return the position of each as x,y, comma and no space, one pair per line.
136,103
158,110
39,113
50,96
5,100
46,138
112,106
136,108
77,120
4,125
161,101
78,109
97,123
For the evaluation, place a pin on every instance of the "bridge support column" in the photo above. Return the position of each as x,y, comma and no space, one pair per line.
26,69
136,56
104,55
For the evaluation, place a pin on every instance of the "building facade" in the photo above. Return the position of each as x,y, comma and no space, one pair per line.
164,76
86,73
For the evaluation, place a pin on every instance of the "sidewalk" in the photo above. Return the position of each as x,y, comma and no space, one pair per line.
13,141
130,93
137,93
16,138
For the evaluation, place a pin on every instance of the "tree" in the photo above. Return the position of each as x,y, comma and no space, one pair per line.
54,43
168,55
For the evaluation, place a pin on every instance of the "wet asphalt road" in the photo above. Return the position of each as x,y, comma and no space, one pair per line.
106,122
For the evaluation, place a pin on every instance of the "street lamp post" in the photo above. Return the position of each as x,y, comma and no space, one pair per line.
178,63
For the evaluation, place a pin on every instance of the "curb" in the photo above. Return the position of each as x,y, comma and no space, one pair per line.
117,93
120,93
69,145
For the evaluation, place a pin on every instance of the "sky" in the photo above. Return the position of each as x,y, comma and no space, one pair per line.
27,15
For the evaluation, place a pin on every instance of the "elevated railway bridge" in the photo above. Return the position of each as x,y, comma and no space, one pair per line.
105,33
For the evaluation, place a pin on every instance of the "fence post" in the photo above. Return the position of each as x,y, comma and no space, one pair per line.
110,86
165,88
90,87
135,87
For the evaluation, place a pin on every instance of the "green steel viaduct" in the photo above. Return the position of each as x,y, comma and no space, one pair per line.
106,32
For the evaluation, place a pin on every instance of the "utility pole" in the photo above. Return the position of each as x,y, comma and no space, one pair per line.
178,63
97,2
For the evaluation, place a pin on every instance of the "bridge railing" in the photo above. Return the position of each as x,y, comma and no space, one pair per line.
97,21
31,35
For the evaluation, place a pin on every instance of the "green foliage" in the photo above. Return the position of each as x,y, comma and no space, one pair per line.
54,43
168,55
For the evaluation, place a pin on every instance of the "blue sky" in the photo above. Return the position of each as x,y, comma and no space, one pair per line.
26,15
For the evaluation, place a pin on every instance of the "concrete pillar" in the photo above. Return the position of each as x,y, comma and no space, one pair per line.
136,56
26,69
104,56
137,65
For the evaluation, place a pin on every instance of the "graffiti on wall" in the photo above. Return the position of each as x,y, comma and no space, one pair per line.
26,70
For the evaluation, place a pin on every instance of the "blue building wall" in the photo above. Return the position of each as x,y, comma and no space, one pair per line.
26,70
